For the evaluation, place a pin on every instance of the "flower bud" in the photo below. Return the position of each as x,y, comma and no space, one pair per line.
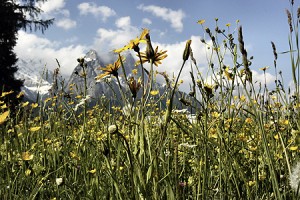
187,50
113,129
149,48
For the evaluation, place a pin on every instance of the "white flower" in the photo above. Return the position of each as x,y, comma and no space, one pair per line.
59,181
187,145
82,101
113,129
127,110
295,177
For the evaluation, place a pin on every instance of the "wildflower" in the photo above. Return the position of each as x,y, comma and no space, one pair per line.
187,50
251,183
264,68
134,44
6,93
154,92
3,117
295,178
208,89
34,105
134,71
243,98
34,129
92,171
59,181
202,21
111,69
25,104
127,109
187,145
74,155
113,129
215,114
134,86
156,56
248,120
293,148
82,101
26,156
228,75
228,24
27,172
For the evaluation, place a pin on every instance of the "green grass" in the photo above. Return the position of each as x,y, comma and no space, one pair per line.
242,144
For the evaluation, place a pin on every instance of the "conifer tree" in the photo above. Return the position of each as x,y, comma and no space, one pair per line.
16,15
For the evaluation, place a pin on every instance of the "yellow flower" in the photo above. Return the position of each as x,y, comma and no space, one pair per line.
26,156
293,148
243,98
6,93
27,172
150,54
215,114
134,71
25,104
208,89
34,105
168,102
264,68
92,171
228,75
158,56
248,120
21,94
228,24
134,44
154,92
251,183
3,117
202,21
34,129
276,137
111,69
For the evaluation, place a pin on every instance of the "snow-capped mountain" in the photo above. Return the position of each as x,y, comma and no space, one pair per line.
95,88
37,79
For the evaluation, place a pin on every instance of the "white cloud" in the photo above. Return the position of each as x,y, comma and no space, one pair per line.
146,21
175,17
66,23
52,6
110,39
30,46
173,62
92,8
123,22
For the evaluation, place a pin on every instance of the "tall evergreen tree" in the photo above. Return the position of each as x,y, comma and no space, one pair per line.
15,15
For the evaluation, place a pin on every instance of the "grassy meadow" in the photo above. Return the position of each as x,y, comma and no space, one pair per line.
238,139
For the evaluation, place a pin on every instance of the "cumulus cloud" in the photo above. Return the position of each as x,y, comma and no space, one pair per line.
52,6
123,22
92,8
174,17
109,39
32,47
146,21
66,23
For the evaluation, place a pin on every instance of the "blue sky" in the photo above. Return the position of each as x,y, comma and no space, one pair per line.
105,25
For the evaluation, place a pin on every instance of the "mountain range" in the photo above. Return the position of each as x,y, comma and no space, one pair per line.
39,82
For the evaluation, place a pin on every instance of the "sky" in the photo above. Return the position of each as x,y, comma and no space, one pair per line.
109,24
